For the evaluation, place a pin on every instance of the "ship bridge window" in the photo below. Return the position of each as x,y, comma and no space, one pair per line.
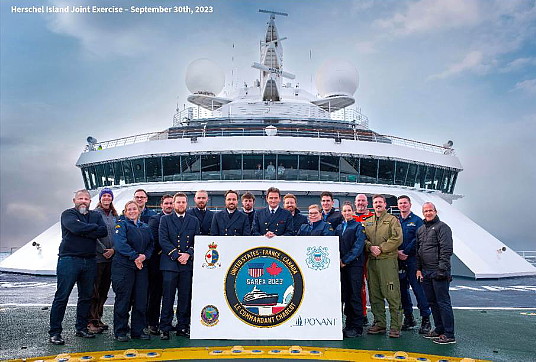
270,167
127,171
329,168
119,178
252,167
349,168
153,168
171,168
138,169
368,170
191,167
438,178
308,168
412,174
210,167
401,172
386,172
287,167
231,166
429,179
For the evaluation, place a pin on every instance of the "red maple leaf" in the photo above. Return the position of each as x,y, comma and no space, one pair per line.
274,269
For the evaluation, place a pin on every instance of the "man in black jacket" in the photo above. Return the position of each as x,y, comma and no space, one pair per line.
201,212
80,229
434,250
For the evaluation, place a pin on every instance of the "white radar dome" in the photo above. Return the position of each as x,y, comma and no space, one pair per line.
337,78
203,76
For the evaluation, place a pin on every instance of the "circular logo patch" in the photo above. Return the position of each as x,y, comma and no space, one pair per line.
210,315
264,287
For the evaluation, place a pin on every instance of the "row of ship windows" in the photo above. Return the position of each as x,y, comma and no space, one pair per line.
269,167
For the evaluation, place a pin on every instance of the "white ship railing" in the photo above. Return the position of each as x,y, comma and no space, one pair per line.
357,135
529,255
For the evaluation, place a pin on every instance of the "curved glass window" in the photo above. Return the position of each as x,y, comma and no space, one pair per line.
286,166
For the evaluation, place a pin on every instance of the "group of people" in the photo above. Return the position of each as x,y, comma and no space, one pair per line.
147,259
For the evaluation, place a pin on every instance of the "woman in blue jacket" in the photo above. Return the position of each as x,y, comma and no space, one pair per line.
133,244
351,243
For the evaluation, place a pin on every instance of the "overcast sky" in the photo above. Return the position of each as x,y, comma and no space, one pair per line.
430,70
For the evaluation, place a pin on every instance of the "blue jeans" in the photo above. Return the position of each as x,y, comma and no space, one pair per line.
71,270
437,293
410,279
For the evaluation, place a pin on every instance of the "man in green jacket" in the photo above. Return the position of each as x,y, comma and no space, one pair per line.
384,235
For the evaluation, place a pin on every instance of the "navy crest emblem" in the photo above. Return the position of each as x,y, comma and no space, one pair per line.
264,287
212,257
317,257
210,316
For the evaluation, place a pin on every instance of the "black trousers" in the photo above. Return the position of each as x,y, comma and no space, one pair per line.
351,282
179,283
130,287
154,295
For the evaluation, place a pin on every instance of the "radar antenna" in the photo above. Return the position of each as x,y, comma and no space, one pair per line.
272,12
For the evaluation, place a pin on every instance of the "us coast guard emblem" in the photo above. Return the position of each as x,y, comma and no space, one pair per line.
212,257
317,258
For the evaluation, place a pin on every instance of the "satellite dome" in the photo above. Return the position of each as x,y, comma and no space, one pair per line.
203,76
337,78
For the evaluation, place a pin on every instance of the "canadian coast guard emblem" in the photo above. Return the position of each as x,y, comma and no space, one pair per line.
317,257
264,287
210,316
212,257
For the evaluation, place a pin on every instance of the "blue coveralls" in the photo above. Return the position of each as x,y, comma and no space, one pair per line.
129,283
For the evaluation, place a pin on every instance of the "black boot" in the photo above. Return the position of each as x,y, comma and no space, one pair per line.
409,322
425,325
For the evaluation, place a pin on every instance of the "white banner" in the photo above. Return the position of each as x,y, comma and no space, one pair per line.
252,287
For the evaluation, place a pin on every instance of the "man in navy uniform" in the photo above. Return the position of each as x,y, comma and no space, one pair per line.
298,219
155,274
329,214
230,222
273,220
141,198
316,226
248,202
80,229
201,212
407,265
176,237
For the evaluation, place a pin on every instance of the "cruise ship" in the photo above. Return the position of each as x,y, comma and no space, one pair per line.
272,132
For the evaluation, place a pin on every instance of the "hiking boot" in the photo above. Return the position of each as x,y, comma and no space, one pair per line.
376,329
104,326
432,334
409,322
93,329
442,339
425,325
394,333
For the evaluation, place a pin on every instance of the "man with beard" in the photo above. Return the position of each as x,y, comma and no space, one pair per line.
154,291
176,236
80,229
201,213
230,222
384,235
298,219
248,202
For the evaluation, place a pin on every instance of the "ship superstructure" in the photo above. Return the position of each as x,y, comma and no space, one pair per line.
272,132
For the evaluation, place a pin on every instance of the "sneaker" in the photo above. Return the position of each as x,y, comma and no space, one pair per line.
143,336
164,336
442,339
426,327
184,332
376,329
409,322
432,334
56,339
122,338
351,333
394,333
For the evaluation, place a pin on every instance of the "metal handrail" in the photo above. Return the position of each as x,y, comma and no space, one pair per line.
358,135
528,255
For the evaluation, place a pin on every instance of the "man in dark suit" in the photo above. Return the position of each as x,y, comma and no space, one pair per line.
201,212
230,222
290,202
154,297
248,203
176,237
273,220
